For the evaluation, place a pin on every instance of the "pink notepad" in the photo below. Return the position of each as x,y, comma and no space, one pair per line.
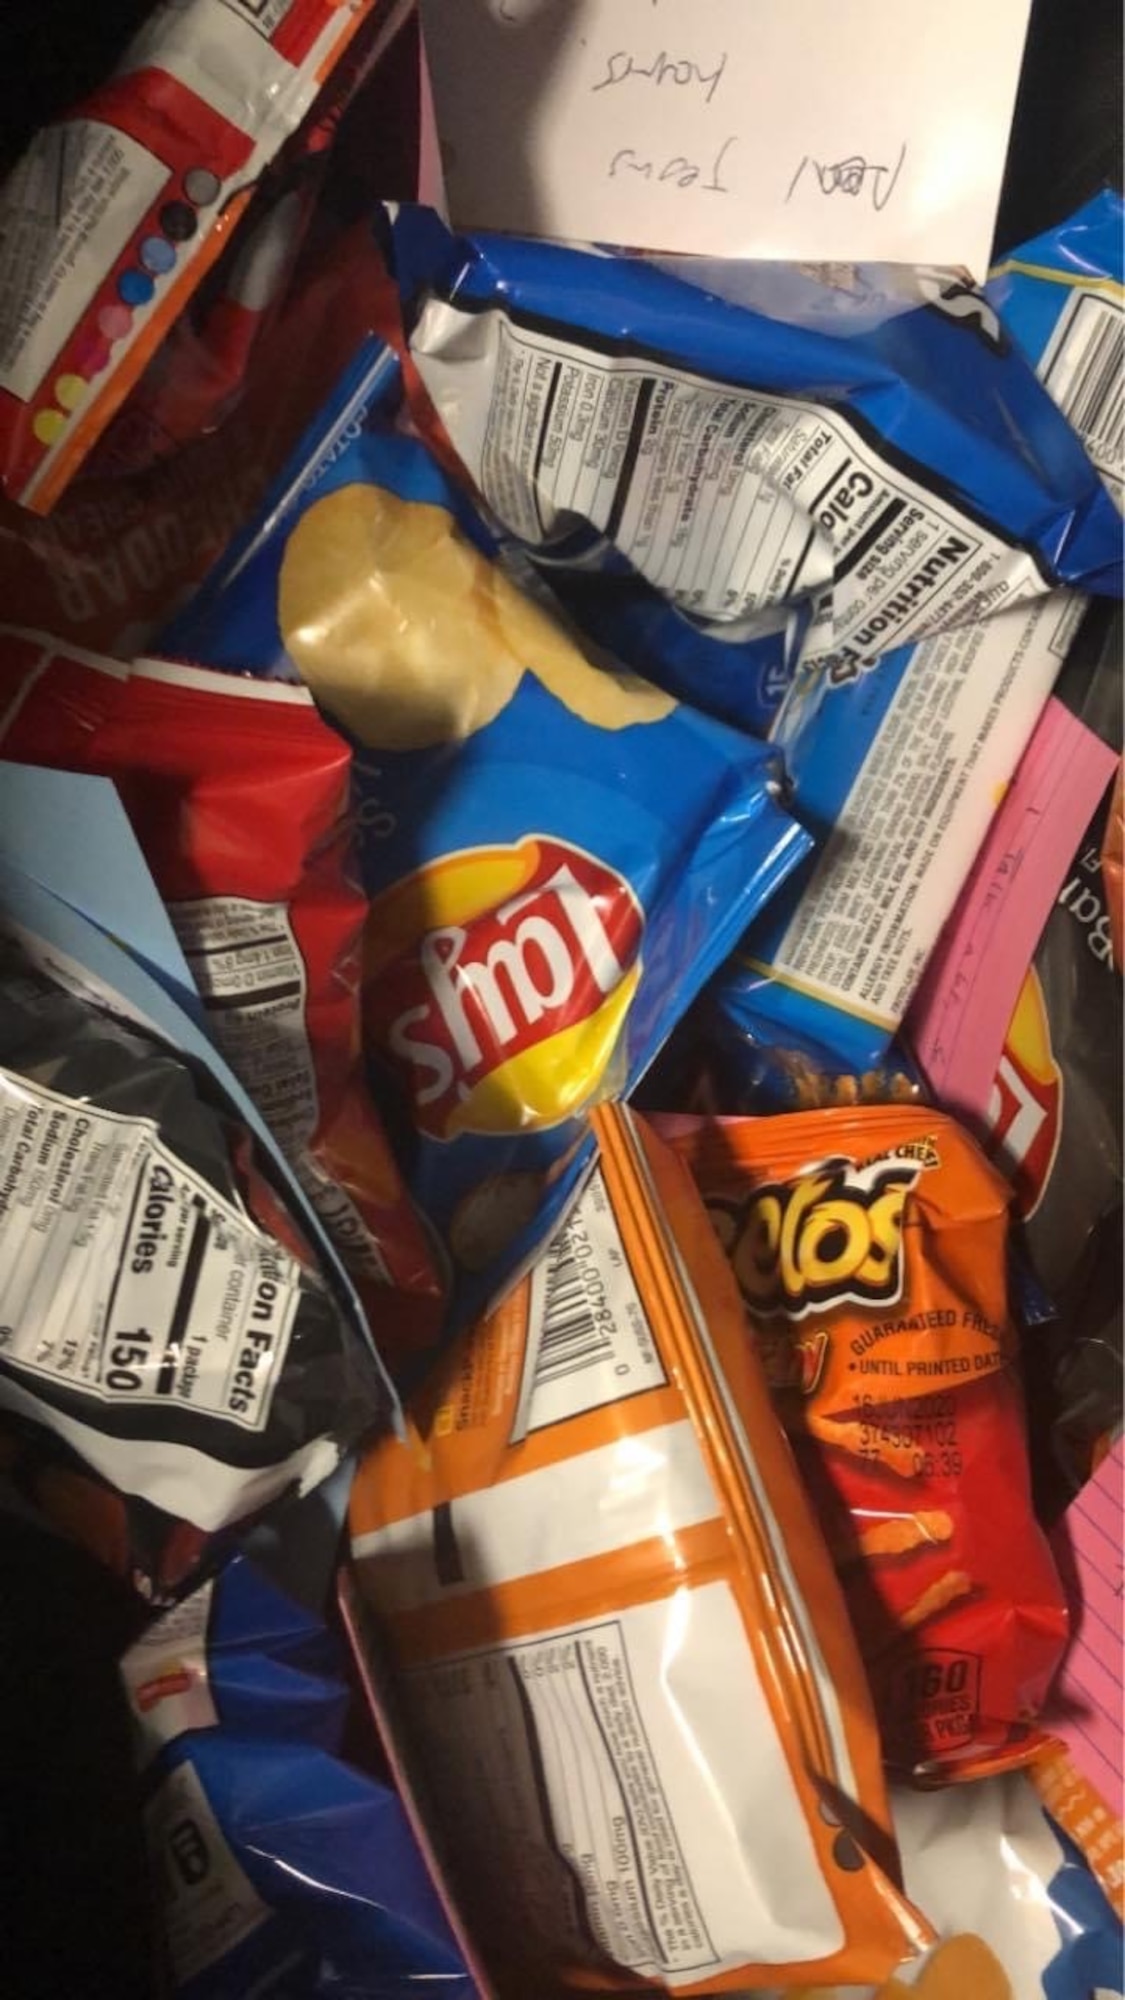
1087,1707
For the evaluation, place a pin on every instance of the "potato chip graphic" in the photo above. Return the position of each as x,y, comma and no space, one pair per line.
376,609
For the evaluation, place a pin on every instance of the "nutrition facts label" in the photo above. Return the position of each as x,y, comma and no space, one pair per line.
124,1276
609,1816
726,500
584,1764
251,977
589,1342
948,743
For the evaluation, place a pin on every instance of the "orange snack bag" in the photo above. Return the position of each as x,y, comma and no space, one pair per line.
870,1250
620,1649
1085,1817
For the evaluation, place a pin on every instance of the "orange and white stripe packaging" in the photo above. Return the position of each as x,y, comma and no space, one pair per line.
621,1651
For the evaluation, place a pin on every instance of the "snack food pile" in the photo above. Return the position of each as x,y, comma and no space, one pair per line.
560,1058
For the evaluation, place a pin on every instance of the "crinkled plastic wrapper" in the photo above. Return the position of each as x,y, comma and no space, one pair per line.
171,1359
1021,1916
870,1250
276,1866
557,854
621,1653
724,467
148,176
840,956
238,794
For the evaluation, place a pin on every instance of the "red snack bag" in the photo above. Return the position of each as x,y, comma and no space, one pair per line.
197,375
120,550
201,370
116,211
237,792
870,1248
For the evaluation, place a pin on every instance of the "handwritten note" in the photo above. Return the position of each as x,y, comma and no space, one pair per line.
800,129
1087,1707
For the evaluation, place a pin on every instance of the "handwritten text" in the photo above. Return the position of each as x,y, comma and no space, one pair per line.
677,171
620,66
854,175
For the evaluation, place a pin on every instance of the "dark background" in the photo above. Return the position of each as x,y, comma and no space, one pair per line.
73,1899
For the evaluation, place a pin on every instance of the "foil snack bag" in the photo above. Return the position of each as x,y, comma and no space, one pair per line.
723,466
620,1650
870,1251
557,855
277,1867
900,767
1020,1914
175,1356
238,794
116,211
1060,295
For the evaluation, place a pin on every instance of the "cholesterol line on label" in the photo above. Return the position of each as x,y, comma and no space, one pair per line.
811,991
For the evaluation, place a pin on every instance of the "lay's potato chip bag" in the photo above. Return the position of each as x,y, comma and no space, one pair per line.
902,764
724,467
870,1250
557,855
621,1653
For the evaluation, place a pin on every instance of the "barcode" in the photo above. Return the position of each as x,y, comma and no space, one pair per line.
589,1342
570,1336
1087,378
265,15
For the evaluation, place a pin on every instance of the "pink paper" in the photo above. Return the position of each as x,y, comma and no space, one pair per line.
431,179
961,1014
1087,1706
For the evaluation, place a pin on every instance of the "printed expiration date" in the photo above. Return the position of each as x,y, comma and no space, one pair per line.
929,1435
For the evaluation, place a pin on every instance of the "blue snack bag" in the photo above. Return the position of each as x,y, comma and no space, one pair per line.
738,673
988,1858
864,448
241,1655
898,770
1060,296
279,1869
285,1872
223,626
899,766
1091,1954
558,856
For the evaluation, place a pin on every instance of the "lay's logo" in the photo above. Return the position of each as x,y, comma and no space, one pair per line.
1025,1107
830,1236
497,981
